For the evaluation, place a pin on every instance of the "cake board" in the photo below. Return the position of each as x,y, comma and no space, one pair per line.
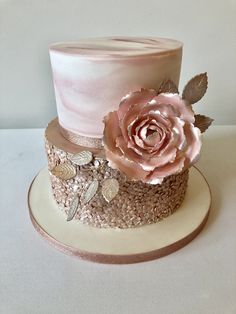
119,246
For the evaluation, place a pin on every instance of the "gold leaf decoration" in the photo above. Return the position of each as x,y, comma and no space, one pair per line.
202,122
91,191
73,208
82,158
64,171
195,88
110,189
168,86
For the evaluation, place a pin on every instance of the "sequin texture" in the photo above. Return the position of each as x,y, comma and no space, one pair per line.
136,203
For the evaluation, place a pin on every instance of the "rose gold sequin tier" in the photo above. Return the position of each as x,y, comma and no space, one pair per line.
135,204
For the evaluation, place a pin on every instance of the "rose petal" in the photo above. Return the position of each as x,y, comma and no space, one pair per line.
130,153
185,111
153,139
193,144
140,97
138,141
147,162
139,124
111,131
165,110
166,170
178,129
129,168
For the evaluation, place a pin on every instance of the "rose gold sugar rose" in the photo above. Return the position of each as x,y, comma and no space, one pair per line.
154,134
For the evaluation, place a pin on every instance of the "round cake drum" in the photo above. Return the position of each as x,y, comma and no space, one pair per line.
119,246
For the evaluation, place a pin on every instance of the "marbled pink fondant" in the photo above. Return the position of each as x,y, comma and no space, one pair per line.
91,76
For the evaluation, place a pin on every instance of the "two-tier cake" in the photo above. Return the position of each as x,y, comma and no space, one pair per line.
121,152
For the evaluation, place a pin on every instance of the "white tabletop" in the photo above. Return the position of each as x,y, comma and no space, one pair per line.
36,278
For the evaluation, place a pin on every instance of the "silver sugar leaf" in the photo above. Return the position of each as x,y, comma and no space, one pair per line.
91,191
64,171
82,158
168,86
73,208
195,88
110,189
202,122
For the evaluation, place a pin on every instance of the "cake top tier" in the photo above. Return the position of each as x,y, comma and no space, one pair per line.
117,47
91,76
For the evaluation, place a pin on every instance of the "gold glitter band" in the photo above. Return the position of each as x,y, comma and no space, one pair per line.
81,140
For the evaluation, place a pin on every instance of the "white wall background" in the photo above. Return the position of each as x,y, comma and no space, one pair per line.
207,28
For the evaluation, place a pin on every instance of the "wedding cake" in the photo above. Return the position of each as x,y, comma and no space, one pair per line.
120,151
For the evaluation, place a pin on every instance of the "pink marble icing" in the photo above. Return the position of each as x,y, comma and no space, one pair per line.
91,76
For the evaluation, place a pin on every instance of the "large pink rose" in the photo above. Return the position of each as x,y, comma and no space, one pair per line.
151,136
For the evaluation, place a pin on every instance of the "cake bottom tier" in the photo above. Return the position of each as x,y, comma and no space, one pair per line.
135,204
119,246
